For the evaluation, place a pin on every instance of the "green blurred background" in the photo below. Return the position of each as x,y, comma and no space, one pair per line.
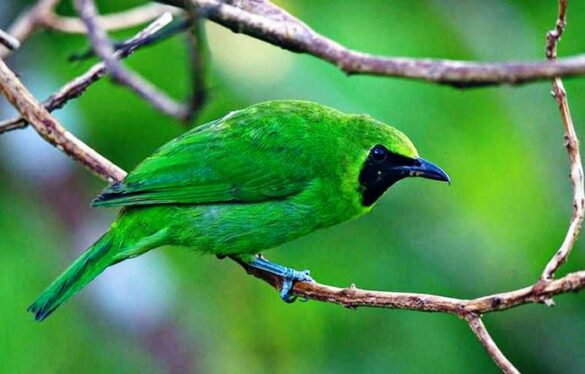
171,311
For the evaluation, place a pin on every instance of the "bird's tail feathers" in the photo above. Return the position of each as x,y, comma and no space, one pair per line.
94,261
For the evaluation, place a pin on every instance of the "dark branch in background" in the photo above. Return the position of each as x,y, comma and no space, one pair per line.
263,20
77,87
109,22
28,22
9,41
197,48
104,49
43,15
167,32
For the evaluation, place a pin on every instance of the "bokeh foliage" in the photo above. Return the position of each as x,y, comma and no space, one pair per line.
492,230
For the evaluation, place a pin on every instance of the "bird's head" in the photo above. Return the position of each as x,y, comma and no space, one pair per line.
387,157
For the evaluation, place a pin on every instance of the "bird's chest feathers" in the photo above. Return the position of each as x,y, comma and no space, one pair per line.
338,200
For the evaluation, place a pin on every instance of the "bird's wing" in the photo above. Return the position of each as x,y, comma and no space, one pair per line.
217,163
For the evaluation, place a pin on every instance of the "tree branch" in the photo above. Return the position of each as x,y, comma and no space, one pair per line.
103,48
51,130
9,41
109,22
353,297
196,41
478,328
43,15
572,144
77,86
263,20
28,22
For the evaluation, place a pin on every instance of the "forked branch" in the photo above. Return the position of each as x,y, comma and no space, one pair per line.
104,49
51,130
76,87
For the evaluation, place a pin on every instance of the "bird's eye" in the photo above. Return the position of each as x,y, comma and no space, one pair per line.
379,153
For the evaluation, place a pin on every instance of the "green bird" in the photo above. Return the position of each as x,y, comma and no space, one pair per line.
249,181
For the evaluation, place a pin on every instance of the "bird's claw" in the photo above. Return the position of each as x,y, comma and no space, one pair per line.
288,275
288,280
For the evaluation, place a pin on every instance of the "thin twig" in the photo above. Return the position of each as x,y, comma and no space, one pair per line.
43,15
476,324
572,145
77,86
28,22
50,129
196,43
9,41
15,123
103,48
173,29
263,20
109,22
353,297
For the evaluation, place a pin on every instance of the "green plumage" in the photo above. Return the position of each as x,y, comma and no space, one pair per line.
80,273
249,181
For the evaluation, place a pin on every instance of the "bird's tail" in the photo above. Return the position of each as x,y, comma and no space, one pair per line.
94,261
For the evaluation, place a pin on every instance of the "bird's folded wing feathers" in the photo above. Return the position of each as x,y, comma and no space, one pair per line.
207,166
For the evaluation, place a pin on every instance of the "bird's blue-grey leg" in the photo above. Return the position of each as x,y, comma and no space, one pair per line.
288,276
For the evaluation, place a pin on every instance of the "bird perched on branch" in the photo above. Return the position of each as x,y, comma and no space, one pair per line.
247,182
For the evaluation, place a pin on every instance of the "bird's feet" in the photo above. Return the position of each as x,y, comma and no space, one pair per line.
288,281
289,276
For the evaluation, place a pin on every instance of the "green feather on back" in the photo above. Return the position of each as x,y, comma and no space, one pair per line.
198,168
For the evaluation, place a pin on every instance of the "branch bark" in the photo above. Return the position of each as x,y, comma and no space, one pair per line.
103,48
77,86
263,20
28,22
9,41
572,145
51,130
353,297
43,15
197,64
109,22
476,325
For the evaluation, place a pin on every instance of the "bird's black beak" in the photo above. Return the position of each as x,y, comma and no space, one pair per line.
378,175
422,168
